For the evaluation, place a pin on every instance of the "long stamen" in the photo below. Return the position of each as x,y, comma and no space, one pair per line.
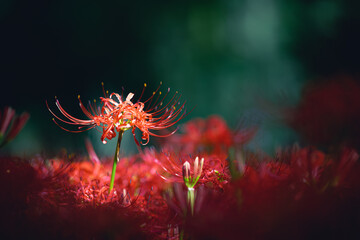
142,92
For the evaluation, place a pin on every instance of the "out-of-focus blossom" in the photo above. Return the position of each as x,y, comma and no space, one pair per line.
177,198
190,181
210,135
308,165
215,173
6,118
348,160
11,124
174,167
92,154
297,187
328,114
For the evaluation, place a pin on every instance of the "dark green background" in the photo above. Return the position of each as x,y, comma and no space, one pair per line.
228,57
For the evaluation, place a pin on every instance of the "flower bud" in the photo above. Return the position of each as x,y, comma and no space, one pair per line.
197,169
186,172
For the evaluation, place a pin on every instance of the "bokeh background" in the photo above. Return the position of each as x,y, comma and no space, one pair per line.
243,60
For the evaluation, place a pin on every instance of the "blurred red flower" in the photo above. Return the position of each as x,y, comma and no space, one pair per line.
210,135
11,124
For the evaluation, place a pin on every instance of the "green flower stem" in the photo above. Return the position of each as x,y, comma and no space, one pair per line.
181,237
191,199
116,160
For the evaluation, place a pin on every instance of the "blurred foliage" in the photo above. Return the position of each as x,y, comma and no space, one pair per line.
225,57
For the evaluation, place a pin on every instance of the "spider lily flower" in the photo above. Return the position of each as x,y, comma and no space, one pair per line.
348,159
210,135
189,181
11,124
117,115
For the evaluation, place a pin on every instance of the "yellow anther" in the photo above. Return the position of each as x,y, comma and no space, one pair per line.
153,93
144,84
160,82
79,96
160,93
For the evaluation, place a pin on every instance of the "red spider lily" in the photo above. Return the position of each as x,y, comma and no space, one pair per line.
214,170
211,135
267,175
116,115
189,177
189,181
308,165
11,124
347,163
329,112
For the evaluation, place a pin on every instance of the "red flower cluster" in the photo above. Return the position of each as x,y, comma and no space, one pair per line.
297,194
